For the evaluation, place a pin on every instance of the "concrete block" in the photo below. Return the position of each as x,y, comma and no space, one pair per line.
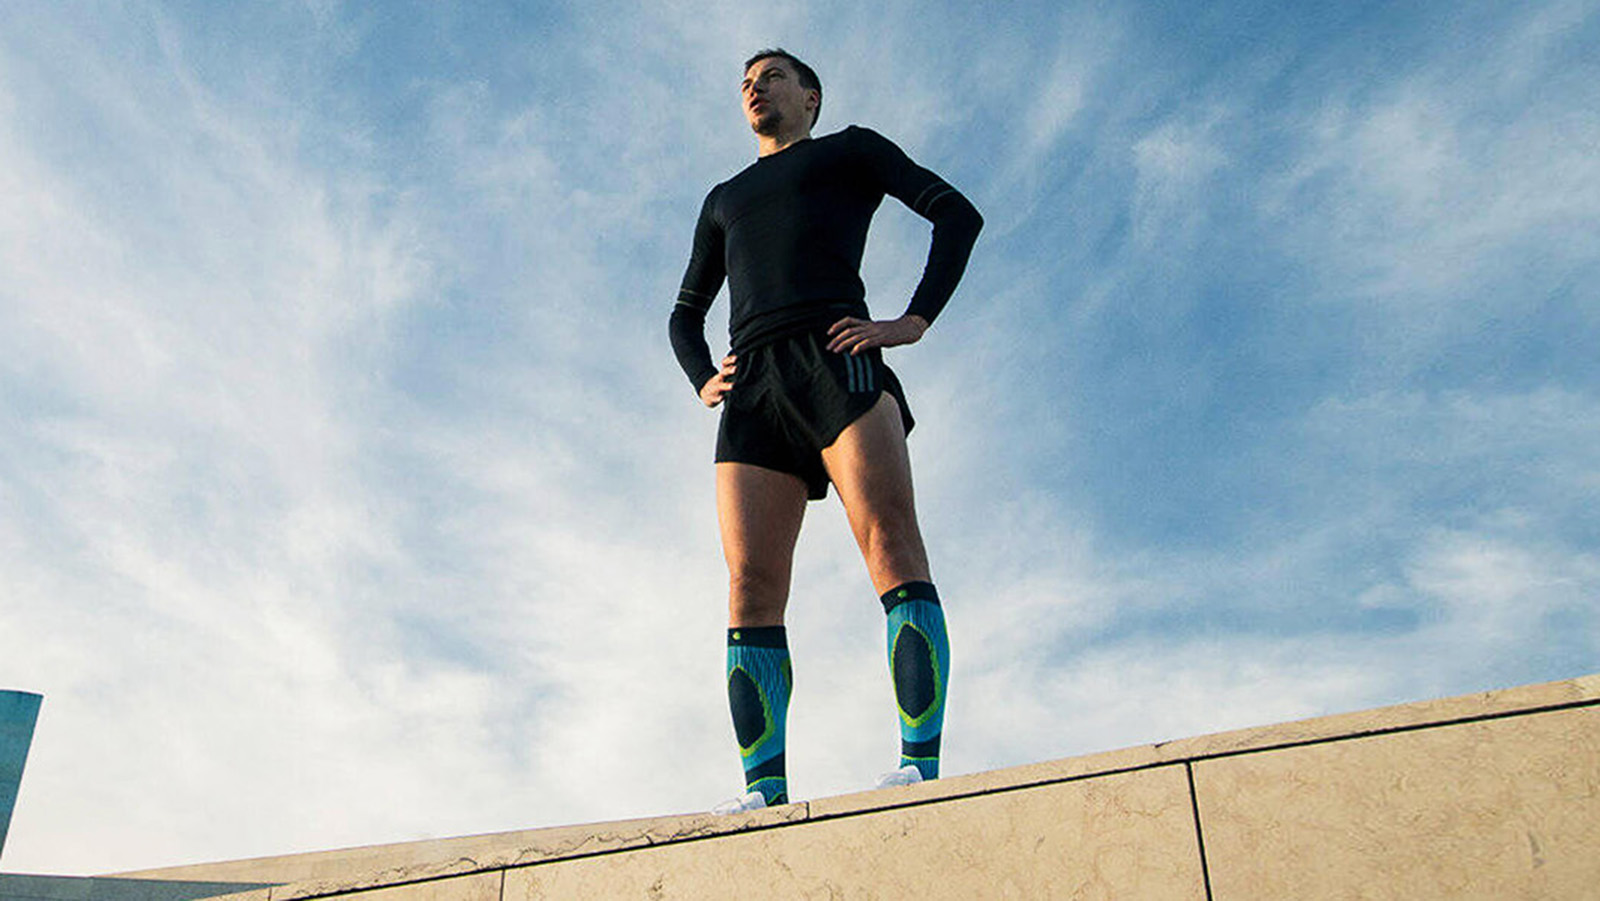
325,873
1124,836
260,894
1495,809
476,887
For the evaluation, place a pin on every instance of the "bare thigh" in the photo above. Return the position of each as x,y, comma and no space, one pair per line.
760,511
871,470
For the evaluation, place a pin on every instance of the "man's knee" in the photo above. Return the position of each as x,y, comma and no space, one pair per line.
757,582
757,591
891,549
889,529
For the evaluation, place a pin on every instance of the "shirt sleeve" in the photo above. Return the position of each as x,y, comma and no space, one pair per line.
956,222
701,282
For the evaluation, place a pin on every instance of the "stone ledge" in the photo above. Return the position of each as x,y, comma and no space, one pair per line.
443,863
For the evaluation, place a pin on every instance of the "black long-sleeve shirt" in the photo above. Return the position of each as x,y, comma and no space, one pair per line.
788,232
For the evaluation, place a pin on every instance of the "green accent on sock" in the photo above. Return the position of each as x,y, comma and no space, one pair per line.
774,789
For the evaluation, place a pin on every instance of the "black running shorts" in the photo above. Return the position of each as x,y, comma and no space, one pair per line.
792,397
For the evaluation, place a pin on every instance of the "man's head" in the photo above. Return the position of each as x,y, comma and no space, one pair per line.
778,87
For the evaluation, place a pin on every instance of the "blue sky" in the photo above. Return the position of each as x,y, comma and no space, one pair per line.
349,492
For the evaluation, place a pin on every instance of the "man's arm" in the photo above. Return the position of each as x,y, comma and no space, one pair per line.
701,281
852,336
956,223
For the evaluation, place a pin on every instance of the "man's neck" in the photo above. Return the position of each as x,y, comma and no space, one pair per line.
767,145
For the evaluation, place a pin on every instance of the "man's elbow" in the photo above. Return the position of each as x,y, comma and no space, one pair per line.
966,217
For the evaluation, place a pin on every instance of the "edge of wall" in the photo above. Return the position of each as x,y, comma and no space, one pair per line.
350,870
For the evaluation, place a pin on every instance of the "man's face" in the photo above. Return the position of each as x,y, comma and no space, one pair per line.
773,97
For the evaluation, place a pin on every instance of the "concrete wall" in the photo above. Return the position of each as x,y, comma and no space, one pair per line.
1492,796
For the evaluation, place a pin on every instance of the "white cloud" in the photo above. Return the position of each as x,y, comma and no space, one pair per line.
1498,592
1174,163
1469,173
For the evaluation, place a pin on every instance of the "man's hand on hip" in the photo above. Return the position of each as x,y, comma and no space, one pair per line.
852,336
712,392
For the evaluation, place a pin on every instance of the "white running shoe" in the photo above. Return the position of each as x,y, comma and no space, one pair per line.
743,804
906,775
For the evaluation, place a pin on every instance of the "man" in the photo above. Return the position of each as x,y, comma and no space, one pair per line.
808,401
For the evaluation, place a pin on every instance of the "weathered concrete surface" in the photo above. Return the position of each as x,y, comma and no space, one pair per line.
390,864
1501,809
1494,795
1126,835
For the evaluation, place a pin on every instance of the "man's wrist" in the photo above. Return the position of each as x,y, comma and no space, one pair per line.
700,381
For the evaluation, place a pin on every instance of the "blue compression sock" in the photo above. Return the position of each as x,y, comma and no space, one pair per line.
759,680
919,659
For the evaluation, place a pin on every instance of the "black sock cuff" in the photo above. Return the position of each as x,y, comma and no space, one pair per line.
920,750
910,591
772,769
758,637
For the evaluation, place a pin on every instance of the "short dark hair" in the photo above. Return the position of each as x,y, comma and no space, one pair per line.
808,76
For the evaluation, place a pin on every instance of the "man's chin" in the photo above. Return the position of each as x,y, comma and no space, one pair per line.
767,125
